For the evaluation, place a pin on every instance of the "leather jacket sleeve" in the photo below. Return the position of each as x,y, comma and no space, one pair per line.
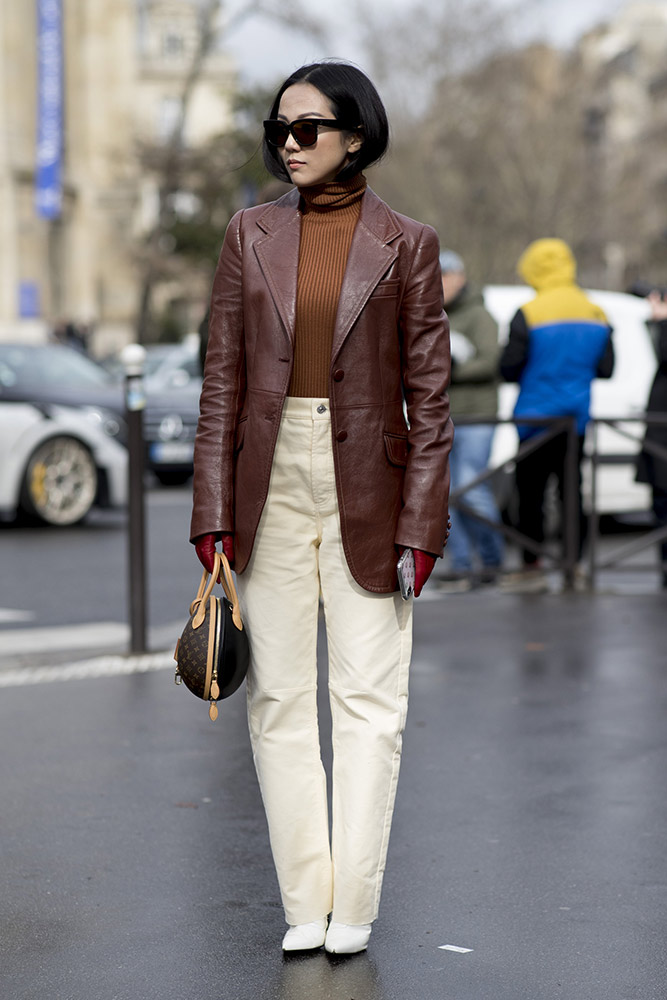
222,395
424,332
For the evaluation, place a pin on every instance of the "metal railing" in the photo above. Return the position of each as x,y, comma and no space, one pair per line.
565,557
619,557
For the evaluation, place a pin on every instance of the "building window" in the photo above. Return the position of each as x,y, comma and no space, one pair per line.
173,45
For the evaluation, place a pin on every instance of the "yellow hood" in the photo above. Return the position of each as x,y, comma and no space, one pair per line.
547,264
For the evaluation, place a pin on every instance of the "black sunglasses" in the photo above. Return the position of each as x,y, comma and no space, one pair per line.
304,130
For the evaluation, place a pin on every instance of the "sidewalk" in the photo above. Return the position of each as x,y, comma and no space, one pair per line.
41,648
529,828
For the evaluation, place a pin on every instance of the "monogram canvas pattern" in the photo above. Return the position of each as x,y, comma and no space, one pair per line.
192,653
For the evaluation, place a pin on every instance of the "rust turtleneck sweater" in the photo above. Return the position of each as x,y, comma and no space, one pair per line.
329,213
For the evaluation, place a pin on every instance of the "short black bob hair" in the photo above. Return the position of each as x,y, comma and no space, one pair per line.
353,99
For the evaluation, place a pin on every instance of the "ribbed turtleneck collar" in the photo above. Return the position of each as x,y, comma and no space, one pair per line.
332,196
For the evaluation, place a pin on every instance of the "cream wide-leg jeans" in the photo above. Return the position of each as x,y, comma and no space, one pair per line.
297,555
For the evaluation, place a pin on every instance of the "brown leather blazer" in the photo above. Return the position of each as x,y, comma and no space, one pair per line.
390,341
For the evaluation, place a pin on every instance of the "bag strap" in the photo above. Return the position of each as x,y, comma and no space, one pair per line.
200,591
205,589
222,568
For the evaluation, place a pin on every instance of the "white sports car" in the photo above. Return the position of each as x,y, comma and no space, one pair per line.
56,462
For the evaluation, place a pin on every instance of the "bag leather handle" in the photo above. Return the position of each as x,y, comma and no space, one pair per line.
206,585
229,587
222,569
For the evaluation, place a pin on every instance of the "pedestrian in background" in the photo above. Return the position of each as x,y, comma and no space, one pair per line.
326,314
558,343
473,392
651,468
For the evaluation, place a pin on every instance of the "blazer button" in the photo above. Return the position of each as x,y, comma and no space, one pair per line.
339,375
341,436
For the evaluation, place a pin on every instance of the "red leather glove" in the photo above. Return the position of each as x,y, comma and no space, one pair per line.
424,563
205,549
228,547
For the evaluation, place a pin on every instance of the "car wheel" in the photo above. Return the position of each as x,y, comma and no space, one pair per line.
60,482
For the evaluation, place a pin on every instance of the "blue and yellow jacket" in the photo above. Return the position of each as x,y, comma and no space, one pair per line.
559,341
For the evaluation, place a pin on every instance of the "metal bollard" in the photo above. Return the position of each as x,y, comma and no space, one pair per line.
133,357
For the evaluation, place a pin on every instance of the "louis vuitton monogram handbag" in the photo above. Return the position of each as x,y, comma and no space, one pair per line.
213,653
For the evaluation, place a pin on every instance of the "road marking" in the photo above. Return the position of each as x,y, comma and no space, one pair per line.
92,635
100,666
453,947
8,615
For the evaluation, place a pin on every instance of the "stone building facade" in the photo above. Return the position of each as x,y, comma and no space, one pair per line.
125,63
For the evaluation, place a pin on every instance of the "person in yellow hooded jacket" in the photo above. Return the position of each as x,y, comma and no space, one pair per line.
558,343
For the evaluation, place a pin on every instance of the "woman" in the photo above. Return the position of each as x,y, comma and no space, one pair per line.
326,312
652,468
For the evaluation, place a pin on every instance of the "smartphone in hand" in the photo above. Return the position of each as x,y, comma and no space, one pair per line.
405,569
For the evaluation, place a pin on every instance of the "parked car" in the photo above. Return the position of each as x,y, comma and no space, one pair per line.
56,462
51,373
170,423
174,367
623,395
173,386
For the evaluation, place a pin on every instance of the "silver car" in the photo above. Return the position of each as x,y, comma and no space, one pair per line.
56,462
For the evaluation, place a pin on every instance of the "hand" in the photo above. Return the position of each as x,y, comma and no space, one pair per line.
228,547
658,306
424,563
205,548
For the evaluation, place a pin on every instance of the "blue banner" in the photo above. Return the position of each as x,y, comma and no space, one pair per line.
28,300
48,173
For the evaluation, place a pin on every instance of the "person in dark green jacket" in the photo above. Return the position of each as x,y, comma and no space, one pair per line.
473,392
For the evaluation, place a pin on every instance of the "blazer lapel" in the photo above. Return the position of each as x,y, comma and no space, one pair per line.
370,257
278,256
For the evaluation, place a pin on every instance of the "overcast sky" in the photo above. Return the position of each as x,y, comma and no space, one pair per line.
264,52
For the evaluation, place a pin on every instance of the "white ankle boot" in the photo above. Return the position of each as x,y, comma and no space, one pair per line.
305,937
347,939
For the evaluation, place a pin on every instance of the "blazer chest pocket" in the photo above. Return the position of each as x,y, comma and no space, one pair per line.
396,447
387,289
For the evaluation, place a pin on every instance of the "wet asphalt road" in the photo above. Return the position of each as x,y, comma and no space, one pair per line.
79,574
530,825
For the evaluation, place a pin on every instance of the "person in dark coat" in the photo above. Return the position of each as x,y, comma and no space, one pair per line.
652,468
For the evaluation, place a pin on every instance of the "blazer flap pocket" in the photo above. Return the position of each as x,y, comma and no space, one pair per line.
396,446
387,288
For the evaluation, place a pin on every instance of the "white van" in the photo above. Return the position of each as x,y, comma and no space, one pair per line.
625,394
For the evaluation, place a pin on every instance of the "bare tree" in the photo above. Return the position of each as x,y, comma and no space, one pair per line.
490,143
175,167
497,142
411,50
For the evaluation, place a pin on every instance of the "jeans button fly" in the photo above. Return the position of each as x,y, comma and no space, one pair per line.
321,408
